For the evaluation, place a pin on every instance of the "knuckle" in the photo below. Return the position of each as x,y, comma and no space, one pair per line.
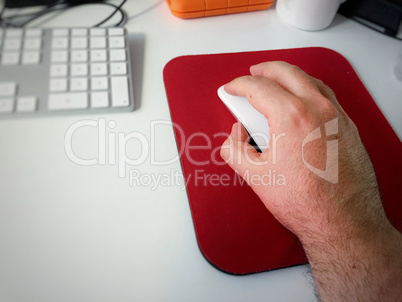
305,81
260,88
308,86
326,108
296,71
297,112
319,82
329,91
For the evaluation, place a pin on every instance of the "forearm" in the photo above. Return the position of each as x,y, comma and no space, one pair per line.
354,252
356,267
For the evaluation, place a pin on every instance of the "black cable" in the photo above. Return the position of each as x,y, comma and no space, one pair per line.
123,19
50,8
65,7
117,9
53,8
112,14
8,23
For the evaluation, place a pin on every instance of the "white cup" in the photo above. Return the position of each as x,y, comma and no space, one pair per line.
308,14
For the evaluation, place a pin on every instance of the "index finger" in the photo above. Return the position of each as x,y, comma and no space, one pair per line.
295,80
290,77
263,94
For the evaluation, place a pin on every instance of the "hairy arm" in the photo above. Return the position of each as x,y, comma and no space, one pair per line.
357,267
354,252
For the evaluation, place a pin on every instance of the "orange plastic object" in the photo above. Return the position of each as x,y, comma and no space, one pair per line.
187,9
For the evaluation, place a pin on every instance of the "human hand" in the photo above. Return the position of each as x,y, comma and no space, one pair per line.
337,208
295,105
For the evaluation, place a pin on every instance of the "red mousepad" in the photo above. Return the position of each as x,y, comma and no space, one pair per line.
235,232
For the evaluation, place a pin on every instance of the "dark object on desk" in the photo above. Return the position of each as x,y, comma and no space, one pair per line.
52,6
382,15
26,3
235,232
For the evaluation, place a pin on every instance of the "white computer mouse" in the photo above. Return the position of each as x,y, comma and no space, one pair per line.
255,123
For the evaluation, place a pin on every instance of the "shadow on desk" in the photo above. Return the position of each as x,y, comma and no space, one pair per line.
137,47
339,19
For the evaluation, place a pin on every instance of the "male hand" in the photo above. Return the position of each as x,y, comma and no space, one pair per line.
337,214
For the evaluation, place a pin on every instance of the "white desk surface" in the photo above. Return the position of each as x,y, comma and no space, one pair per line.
81,233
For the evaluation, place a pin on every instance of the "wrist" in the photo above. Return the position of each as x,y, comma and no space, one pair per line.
365,262
345,220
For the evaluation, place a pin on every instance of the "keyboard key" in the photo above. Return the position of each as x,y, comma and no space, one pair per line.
99,83
98,55
97,32
67,101
6,106
116,31
76,32
117,42
79,69
120,97
78,84
26,104
12,44
33,32
98,69
60,43
8,88
31,58
99,99
118,69
10,58
84,69
32,44
117,55
58,70
79,43
60,32
59,57
98,42
14,33
58,85
79,56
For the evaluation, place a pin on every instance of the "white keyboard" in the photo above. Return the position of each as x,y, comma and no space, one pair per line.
46,71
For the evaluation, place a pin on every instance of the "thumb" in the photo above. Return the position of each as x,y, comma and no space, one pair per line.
239,154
